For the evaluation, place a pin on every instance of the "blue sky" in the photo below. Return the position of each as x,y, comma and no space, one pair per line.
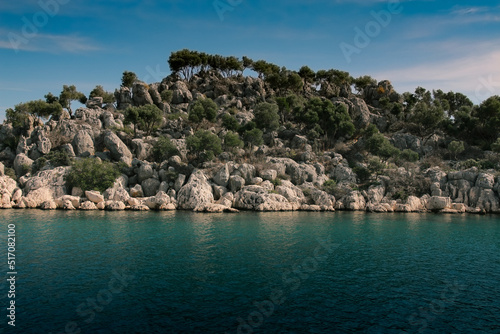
434,44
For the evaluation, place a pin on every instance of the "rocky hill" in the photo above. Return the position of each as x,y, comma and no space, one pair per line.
331,149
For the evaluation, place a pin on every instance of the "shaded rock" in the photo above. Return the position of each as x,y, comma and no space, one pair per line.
150,187
88,206
136,191
343,173
485,181
140,94
145,172
258,199
354,201
115,206
236,182
48,205
269,174
139,207
119,151
181,93
83,144
247,172
222,176
22,164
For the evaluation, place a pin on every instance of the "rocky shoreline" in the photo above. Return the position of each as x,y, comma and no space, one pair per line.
230,187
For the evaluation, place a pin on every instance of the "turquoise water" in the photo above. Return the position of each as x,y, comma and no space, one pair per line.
182,272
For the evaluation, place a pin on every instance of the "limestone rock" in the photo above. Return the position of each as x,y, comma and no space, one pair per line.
222,176
195,192
181,93
269,174
119,151
22,164
236,182
354,201
94,196
88,206
258,199
48,205
136,191
115,206
485,181
140,94
437,203
83,144
150,187
145,172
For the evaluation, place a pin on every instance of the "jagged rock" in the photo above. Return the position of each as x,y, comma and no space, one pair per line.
123,97
88,206
415,204
115,206
354,201
145,172
222,176
22,164
141,149
405,141
269,174
214,208
179,182
226,199
140,94
52,181
16,196
94,196
83,144
158,201
299,142
41,141
343,173
66,204
136,191
48,205
375,194
7,184
108,120
94,103
181,93
436,203
247,172
488,201
436,189
236,182
119,151
299,173
150,187
218,191
195,192
485,181
68,149
139,207
258,199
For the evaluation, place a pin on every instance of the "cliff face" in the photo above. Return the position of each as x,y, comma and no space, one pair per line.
263,178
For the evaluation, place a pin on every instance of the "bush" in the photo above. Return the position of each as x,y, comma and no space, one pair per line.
230,122
203,109
363,173
409,155
164,149
204,144
232,140
10,172
330,186
276,182
166,96
92,174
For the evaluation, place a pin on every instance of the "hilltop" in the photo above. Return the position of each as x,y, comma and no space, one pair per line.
210,138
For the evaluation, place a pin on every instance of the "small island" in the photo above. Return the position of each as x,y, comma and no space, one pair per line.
223,134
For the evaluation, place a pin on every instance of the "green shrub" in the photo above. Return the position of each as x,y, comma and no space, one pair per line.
409,155
92,174
10,172
58,158
166,96
276,182
330,186
204,144
363,173
230,122
232,140
164,149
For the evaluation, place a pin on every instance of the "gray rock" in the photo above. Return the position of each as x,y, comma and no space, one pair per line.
437,203
68,149
94,103
83,144
247,172
141,149
179,182
136,191
140,94
485,181
236,182
195,192
119,151
22,164
354,201
94,196
344,174
258,199
269,174
145,172
222,176
181,93
150,187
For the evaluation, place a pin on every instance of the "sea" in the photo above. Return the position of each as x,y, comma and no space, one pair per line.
286,272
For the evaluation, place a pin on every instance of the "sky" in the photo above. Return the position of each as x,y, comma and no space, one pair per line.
435,44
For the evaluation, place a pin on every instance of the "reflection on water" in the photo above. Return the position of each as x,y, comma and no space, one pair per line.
202,272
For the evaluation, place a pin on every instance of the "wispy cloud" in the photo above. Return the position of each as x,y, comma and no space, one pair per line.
48,43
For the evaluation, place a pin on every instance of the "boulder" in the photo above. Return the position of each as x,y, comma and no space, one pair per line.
94,103
145,172
195,192
48,205
140,94
141,149
83,144
485,181
139,207
115,206
119,151
375,194
488,201
136,191
94,196
221,178
22,164
51,180
344,173
437,203
236,182
354,201
269,174
7,184
150,187
88,206
156,202
247,172
258,199
181,93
